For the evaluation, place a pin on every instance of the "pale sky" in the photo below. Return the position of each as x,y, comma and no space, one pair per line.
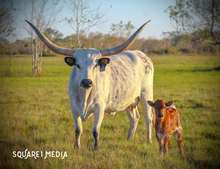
136,11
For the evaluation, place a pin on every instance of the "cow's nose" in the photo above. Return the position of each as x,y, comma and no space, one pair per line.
86,83
160,115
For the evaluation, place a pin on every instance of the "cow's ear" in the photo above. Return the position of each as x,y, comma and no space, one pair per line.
70,61
103,61
150,103
169,103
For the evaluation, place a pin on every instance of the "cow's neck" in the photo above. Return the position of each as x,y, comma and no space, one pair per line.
87,96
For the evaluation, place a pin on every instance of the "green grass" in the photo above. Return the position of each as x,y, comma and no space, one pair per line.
35,115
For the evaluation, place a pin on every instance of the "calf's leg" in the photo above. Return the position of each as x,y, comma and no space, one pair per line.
180,141
166,145
161,145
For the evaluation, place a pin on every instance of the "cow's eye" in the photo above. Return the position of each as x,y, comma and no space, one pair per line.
78,66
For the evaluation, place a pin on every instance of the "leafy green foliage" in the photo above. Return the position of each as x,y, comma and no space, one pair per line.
122,30
173,50
52,33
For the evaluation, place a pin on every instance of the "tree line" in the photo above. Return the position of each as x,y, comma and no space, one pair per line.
99,40
197,28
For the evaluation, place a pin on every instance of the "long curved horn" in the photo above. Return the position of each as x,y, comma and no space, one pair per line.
125,45
51,45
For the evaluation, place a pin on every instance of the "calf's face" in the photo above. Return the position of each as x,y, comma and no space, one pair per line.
87,62
160,107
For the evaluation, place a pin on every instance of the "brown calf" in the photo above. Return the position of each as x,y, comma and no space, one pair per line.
167,122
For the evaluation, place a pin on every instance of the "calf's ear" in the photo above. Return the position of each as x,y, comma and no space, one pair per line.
169,103
103,61
70,61
150,103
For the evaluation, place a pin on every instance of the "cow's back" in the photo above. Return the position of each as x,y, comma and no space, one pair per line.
128,73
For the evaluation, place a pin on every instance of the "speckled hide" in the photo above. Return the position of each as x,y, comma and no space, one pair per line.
167,122
107,80
127,79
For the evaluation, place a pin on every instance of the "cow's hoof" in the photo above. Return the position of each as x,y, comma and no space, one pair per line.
182,155
95,148
77,146
149,141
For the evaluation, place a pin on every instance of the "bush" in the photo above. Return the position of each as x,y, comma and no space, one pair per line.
207,49
24,53
212,49
155,50
173,50
184,50
44,53
15,53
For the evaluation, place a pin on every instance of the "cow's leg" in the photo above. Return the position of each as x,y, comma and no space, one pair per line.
133,116
96,126
78,128
147,112
180,141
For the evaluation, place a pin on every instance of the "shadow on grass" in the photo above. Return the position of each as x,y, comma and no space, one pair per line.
20,143
203,163
212,136
193,104
191,139
201,70
8,144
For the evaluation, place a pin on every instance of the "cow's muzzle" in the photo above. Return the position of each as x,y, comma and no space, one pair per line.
86,83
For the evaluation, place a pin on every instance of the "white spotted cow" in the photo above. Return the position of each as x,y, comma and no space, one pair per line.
108,80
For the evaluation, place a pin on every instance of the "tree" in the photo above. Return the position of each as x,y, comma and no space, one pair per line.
122,30
52,34
43,14
196,20
6,20
95,40
83,18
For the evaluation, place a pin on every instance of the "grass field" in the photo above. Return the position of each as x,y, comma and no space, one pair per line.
35,115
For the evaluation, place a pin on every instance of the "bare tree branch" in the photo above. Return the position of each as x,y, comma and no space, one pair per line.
197,19
43,14
83,18
6,19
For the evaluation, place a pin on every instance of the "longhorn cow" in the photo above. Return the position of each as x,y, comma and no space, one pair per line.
108,80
